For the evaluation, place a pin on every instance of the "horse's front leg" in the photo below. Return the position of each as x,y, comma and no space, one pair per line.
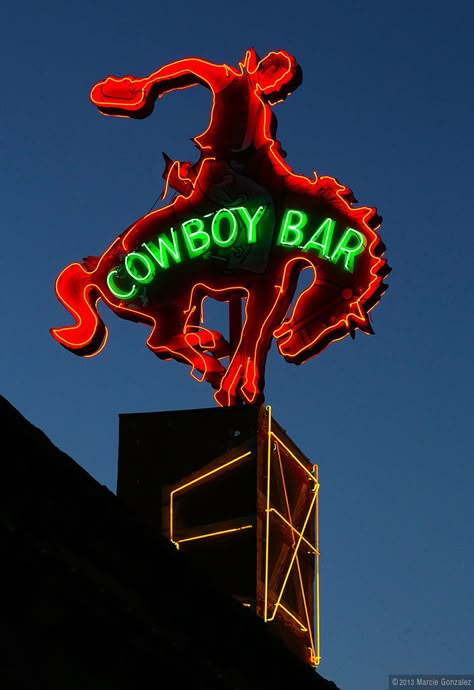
320,314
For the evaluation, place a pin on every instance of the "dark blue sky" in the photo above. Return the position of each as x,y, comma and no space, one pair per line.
387,107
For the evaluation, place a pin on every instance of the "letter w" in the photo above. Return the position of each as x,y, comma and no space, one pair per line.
164,249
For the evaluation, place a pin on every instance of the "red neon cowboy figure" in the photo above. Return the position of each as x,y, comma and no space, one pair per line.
240,158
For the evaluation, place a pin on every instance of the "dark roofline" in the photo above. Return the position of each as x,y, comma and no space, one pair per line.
99,599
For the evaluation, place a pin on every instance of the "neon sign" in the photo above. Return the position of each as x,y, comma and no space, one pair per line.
241,226
203,236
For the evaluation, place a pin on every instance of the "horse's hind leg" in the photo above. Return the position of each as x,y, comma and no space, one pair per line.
169,340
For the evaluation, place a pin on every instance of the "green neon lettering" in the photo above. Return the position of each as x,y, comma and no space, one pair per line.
291,228
116,291
216,227
197,240
251,221
164,249
321,240
135,262
344,248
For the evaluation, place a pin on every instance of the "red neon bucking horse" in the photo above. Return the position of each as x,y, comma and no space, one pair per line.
241,225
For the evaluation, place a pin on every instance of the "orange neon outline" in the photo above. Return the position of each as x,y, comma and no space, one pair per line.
292,560
267,514
301,538
293,456
186,485
278,604
311,627
243,377
316,654
212,534
294,530
303,628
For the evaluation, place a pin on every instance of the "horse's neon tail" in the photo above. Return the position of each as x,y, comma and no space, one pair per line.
78,294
